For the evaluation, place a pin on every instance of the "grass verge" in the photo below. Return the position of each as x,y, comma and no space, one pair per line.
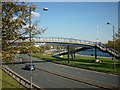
86,62
9,83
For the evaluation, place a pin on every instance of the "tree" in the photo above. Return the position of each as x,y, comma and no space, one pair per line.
15,17
117,41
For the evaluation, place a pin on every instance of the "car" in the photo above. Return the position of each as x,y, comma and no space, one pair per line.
29,67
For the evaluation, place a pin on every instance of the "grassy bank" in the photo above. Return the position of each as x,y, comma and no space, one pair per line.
106,64
9,83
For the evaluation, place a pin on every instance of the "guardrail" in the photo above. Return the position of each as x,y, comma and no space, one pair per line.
20,79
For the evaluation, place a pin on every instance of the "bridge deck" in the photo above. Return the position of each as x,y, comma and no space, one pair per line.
64,42
77,42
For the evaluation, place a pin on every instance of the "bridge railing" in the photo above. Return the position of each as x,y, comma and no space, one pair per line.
109,49
63,40
59,40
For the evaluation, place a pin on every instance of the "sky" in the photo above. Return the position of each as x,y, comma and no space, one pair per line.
78,20
68,0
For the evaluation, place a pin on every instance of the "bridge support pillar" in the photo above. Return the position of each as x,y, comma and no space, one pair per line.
95,52
68,48
74,54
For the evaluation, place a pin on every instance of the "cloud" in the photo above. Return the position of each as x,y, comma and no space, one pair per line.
26,26
14,18
35,14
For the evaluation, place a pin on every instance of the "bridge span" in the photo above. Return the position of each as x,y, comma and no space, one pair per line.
61,41
73,42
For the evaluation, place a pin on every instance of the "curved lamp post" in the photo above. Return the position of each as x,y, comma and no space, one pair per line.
113,36
113,42
45,9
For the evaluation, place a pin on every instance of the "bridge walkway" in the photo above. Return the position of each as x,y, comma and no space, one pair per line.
99,46
108,50
71,51
74,42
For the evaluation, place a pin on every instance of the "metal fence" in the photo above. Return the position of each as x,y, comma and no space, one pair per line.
20,79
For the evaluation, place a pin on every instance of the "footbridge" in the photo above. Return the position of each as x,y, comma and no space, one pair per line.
61,41
73,42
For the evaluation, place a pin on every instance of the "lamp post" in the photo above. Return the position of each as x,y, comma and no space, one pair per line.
113,42
30,47
30,34
45,9
113,36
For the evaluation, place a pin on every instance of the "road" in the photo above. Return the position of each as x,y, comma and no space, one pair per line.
48,80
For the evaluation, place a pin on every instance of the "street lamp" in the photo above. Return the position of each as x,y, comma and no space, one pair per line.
113,36
30,48
113,41
30,34
45,9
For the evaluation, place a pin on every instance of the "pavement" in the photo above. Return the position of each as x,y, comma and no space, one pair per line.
47,80
88,77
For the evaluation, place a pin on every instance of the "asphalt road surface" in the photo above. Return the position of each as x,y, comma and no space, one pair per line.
48,80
